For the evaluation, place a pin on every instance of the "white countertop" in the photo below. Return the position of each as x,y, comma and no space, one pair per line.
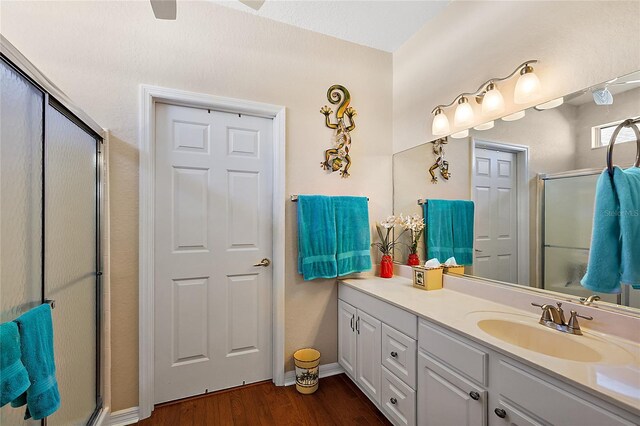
615,378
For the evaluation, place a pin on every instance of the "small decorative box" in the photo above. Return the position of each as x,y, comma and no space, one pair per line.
427,278
457,270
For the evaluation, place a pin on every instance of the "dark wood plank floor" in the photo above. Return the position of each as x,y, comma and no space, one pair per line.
338,401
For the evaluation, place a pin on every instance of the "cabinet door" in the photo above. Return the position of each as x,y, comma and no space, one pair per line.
447,399
369,349
347,337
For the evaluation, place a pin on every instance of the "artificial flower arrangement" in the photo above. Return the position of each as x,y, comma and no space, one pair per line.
414,224
386,243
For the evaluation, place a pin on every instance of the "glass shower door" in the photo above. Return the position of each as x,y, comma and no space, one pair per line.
568,220
70,269
21,130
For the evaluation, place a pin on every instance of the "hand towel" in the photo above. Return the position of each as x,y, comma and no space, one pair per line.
439,219
14,379
627,186
353,234
316,237
36,344
615,250
462,224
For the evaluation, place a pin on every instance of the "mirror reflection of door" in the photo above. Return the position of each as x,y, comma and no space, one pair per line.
496,232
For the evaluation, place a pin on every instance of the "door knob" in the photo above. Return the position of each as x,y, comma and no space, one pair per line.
264,262
500,413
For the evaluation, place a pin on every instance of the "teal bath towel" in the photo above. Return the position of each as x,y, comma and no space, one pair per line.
615,241
36,343
316,237
462,221
353,234
14,379
439,219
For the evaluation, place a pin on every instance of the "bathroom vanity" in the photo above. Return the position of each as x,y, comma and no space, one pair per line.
458,357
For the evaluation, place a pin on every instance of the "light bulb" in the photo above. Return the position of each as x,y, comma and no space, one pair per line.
464,113
528,86
492,101
513,117
551,104
460,135
486,126
440,125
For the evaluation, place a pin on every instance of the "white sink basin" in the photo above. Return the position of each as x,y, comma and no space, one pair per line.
525,332
536,338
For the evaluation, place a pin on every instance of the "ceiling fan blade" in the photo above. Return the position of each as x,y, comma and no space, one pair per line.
164,9
253,4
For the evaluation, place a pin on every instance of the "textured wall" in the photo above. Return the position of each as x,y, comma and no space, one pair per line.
99,52
578,43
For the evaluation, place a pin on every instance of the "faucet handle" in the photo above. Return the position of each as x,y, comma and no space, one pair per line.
546,313
573,325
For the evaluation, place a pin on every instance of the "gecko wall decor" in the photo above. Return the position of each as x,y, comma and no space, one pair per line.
441,163
337,159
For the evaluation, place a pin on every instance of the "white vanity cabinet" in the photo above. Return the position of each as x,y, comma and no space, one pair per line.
421,371
462,383
377,348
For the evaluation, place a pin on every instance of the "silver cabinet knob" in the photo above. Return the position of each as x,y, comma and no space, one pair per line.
500,413
264,262
474,395
394,354
393,401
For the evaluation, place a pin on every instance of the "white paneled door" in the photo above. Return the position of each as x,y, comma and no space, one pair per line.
213,227
496,232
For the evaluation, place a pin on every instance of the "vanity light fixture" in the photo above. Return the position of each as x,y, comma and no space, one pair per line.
485,126
488,95
440,125
492,101
515,116
464,113
460,135
527,87
551,104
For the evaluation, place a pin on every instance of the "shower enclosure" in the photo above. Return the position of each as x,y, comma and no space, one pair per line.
567,203
50,233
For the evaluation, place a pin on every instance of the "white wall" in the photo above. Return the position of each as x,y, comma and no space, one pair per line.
578,43
99,52
625,105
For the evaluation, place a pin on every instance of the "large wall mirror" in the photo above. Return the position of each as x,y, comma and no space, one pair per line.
533,184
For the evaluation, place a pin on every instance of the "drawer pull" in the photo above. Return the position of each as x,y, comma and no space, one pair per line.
352,329
500,413
394,354
474,395
393,401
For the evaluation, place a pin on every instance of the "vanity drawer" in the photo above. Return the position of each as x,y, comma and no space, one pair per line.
397,399
453,351
399,355
532,392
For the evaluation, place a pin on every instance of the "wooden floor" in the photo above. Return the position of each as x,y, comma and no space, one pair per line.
337,402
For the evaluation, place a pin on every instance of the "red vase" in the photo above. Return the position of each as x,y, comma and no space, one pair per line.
386,267
413,259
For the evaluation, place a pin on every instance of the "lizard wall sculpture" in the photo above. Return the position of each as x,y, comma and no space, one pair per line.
337,159
441,163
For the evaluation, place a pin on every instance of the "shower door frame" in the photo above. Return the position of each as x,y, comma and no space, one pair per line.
622,298
56,99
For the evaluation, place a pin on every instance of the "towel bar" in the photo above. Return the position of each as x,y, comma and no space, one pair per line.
631,123
294,198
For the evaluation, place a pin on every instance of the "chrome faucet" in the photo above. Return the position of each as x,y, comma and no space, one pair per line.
553,317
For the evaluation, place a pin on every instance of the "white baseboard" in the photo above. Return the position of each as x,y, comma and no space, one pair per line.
125,417
326,370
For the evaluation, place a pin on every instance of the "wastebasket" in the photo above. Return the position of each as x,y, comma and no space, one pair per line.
307,367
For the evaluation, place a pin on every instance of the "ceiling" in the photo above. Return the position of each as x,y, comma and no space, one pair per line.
383,25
